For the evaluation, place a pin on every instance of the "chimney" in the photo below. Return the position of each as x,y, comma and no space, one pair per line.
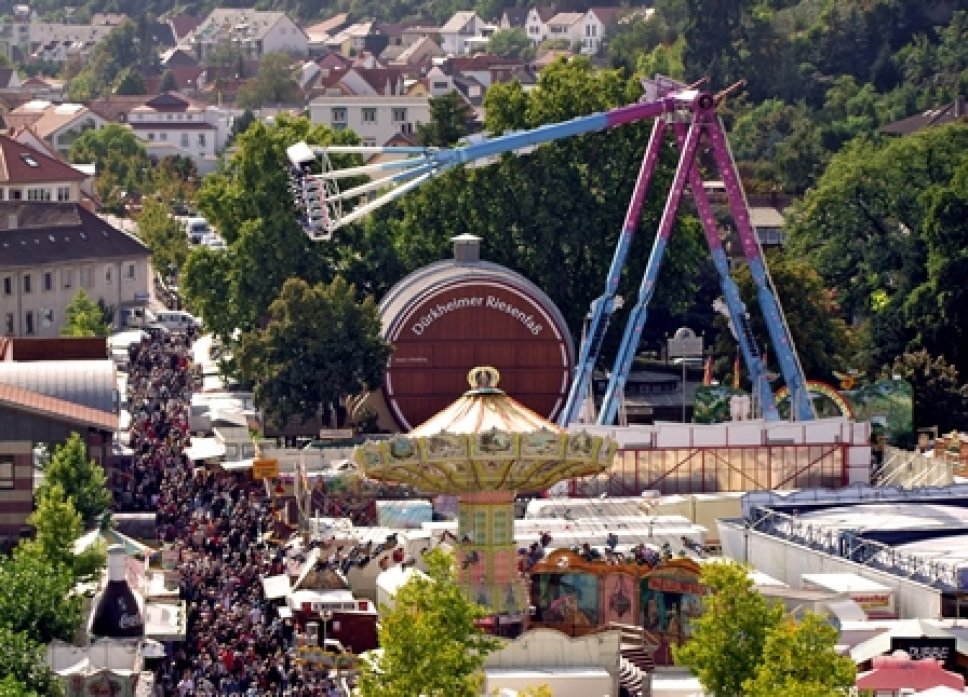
467,249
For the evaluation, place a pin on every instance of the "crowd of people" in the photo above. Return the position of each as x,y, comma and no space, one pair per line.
236,643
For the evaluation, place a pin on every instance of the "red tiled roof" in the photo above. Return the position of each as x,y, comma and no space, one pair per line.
181,25
55,408
22,164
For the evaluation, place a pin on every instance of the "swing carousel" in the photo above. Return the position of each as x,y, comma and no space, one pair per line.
486,448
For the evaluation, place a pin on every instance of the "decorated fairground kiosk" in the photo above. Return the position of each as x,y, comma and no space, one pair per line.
485,448
657,602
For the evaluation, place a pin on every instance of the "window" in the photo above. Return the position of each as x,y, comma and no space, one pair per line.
87,276
369,142
63,193
399,114
16,194
369,115
151,137
339,114
201,140
48,280
27,283
6,474
129,272
8,285
406,128
38,194
440,85
479,533
46,315
184,140
107,274
501,536
29,322
162,136
67,278
8,323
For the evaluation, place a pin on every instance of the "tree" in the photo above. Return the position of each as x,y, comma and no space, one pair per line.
169,81
728,640
449,117
163,235
939,398
38,596
57,526
430,645
320,346
130,81
84,317
24,666
822,338
938,308
799,659
248,201
511,43
80,478
122,163
274,83
863,228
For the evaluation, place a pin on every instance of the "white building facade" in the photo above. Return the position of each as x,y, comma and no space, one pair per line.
375,118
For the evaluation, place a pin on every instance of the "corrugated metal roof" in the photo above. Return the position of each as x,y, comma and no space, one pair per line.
89,384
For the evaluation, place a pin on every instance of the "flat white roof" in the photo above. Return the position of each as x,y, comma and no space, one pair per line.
845,583
896,515
952,551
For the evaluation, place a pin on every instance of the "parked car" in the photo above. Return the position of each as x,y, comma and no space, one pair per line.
197,229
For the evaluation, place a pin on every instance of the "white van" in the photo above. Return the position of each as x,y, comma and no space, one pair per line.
176,320
197,228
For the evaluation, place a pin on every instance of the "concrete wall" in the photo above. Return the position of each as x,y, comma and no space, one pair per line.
787,561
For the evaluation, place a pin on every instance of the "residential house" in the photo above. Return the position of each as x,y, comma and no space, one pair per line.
172,124
567,26
32,142
49,251
58,124
51,42
255,32
42,87
949,113
183,25
352,39
597,22
420,53
479,66
459,29
536,24
375,118
412,34
108,19
9,79
27,174
513,18
317,34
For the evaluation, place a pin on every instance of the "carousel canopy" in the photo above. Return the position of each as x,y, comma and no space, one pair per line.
485,441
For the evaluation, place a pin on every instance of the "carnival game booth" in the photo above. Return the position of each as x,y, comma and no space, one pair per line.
578,597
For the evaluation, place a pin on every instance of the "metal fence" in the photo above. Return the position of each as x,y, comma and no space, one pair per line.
908,470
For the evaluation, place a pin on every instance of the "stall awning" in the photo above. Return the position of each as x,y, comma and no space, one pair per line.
275,587
205,449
